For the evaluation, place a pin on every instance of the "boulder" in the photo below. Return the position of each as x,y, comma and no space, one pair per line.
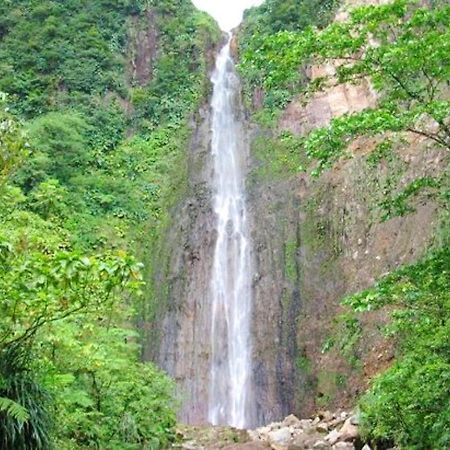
279,447
304,440
306,424
321,445
336,422
254,435
348,432
322,427
292,421
354,420
281,436
298,431
260,434
333,436
306,434
248,446
326,416
343,446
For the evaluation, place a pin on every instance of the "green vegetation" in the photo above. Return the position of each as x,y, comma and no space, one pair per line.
93,131
263,42
288,15
67,350
290,260
79,68
409,404
80,51
277,157
92,158
401,47
408,66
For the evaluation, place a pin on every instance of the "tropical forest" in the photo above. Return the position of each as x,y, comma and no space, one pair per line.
224,224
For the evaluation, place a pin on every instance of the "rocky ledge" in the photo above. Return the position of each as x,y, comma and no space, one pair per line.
326,431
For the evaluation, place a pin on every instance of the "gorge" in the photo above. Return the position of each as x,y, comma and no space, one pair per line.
202,232
314,241
221,287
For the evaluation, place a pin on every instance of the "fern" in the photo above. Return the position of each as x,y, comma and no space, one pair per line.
14,410
25,421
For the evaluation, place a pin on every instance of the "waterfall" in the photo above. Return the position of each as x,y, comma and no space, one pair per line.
231,301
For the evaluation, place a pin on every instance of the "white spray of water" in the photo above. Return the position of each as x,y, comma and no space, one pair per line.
230,388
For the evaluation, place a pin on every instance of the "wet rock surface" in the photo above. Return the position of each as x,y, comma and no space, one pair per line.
214,438
317,240
326,431
184,320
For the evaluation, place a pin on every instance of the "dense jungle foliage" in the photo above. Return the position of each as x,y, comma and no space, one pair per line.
91,159
403,47
95,99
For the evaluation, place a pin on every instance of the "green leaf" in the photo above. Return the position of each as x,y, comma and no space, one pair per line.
14,409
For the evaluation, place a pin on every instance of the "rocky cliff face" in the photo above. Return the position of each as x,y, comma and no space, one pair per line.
184,348
317,240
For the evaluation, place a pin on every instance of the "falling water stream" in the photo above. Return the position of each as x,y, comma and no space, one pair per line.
231,302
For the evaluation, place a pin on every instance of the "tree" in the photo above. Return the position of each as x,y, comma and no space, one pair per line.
403,49
409,404
66,350
61,148
13,146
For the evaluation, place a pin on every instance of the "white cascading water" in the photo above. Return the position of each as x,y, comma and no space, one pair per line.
231,302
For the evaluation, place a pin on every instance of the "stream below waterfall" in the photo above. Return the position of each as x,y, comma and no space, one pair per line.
230,390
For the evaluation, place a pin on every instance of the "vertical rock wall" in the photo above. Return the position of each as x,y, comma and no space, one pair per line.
314,241
317,240
277,301
184,324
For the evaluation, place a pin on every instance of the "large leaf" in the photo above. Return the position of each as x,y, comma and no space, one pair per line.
13,409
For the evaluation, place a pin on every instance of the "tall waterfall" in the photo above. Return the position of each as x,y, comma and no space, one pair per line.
231,303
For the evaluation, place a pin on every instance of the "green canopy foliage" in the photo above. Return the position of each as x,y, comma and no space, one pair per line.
13,147
402,49
267,33
66,349
91,159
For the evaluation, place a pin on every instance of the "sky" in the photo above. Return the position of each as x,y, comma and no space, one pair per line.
228,13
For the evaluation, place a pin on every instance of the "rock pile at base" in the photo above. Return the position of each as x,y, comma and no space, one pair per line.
325,432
